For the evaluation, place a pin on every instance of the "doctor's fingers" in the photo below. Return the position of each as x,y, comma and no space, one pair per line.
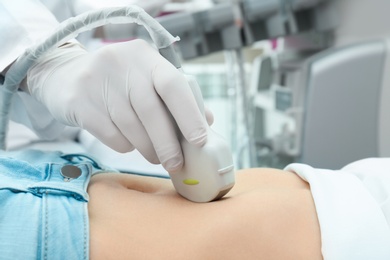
177,95
158,123
126,119
99,124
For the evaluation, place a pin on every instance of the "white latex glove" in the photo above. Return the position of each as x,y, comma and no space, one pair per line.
117,93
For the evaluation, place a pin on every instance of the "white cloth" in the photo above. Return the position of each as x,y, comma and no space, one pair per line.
353,207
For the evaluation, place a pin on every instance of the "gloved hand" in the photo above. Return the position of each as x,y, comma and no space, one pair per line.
117,93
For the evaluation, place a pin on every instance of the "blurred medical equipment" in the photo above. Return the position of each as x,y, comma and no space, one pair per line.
345,95
332,103
335,100
208,171
306,27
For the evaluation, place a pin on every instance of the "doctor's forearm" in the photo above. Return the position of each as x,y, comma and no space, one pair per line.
23,23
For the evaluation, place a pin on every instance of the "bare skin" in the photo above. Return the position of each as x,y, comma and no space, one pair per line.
269,214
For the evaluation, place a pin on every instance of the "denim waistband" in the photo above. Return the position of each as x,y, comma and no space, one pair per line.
48,180
44,213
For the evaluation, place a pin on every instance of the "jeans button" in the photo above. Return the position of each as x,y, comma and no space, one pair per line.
70,172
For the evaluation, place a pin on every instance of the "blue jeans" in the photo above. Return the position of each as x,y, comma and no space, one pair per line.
43,213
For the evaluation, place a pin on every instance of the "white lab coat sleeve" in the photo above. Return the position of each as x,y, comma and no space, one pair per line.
24,23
